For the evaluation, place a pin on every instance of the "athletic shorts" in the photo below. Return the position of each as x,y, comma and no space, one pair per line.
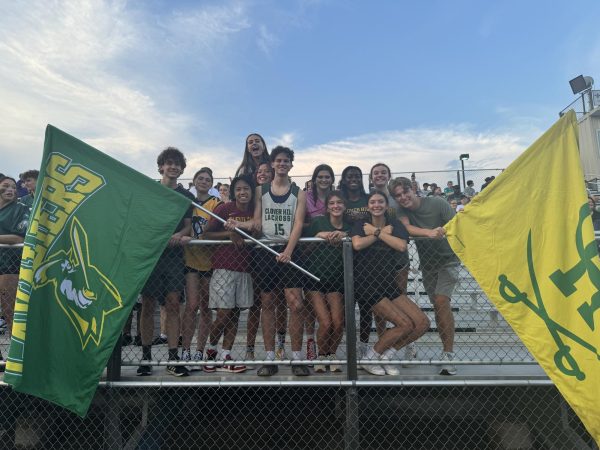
202,273
168,276
270,274
324,286
229,289
370,290
441,281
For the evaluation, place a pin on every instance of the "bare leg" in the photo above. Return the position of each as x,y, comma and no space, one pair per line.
268,320
335,301
380,324
281,312
253,324
403,324
219,325
319,306
293,297
147,319
418,318
192,288
171,309
309,321
163,320
231,328
445,321
205,316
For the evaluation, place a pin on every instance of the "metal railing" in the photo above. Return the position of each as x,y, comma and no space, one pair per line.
499,397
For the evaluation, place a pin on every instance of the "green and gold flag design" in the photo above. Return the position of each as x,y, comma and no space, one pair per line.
529,242
96,230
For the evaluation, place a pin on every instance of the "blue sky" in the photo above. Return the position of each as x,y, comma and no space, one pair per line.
413,84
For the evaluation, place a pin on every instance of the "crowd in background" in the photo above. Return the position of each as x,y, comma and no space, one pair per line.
263,202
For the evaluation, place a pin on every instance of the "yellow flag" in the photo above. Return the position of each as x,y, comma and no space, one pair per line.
529,242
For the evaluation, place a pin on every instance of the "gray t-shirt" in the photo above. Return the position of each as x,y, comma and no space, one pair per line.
432,213
470,191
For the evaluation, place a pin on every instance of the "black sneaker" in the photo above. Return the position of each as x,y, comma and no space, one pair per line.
137,341
178,371
159,340
144,371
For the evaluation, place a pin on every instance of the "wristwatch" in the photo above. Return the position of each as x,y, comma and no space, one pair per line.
377,232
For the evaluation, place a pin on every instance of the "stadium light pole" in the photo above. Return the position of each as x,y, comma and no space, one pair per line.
582,85
462,158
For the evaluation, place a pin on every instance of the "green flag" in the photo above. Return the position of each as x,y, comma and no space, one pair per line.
96,231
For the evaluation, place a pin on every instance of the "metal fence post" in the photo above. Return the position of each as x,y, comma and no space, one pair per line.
349,309
351,427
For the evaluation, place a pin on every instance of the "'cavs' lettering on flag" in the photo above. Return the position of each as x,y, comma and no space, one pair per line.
529,242
86,256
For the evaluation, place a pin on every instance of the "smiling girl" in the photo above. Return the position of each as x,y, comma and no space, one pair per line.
378,240
255,153
325,261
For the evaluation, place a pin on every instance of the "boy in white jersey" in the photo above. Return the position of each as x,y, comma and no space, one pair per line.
279,213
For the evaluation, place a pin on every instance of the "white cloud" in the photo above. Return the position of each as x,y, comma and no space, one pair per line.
266,40
418,150
286,139
73,68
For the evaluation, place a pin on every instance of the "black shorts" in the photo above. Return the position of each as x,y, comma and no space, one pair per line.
370,290
270,274
324,286
167,276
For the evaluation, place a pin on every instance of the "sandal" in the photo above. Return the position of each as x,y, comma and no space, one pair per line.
267,370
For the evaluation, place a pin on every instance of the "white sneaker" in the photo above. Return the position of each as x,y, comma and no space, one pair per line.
447,368
360,354
334,367
389,368
374,369
321,368
410,353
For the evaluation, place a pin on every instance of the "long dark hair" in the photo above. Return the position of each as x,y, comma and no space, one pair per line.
387,203
342,186
318,169
248,166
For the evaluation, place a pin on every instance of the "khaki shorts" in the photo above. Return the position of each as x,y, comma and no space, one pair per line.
441,281
229,289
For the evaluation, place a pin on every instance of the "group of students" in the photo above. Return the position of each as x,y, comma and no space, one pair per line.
266,204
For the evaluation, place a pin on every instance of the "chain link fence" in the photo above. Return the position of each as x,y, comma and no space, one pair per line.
249,353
